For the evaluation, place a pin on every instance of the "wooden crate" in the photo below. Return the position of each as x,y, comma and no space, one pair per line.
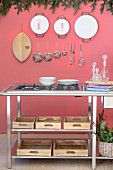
35,147
76,122
23,123
48,122
70,148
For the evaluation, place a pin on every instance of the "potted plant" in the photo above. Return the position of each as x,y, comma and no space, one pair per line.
104,135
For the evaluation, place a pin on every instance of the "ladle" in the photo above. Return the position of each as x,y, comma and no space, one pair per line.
81,60
72,52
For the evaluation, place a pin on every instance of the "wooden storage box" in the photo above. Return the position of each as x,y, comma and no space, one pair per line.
70,148
35,147
76,122
48,122
23,123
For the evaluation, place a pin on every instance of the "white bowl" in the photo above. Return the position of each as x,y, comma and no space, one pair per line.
47,81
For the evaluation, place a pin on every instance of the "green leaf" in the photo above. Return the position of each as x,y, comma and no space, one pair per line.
21,5
102,125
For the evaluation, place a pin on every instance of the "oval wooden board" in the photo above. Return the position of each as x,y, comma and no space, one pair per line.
21,46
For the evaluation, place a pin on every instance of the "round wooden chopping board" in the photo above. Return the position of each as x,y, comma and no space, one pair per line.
21,46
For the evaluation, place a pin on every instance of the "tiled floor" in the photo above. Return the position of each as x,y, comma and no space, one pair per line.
48,164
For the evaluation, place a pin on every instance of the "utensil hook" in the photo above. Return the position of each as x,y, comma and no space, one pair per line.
21,27
37,46
48,45
57,46
81,50
64,47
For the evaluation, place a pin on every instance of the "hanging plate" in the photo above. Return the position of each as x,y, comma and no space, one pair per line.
86,26
61,26
21,46
39,24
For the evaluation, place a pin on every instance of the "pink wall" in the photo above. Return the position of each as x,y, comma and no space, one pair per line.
12,71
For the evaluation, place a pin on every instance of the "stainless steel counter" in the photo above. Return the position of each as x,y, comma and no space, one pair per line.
10,91
92,100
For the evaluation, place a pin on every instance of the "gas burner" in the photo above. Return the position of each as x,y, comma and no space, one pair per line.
59,87
68,87
26,87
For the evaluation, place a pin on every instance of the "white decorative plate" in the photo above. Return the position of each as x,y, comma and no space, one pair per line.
86,26
67,81
61,26
39,24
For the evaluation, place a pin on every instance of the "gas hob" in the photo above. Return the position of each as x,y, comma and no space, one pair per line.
36,87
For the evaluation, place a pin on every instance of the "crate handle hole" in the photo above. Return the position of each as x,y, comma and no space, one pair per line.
50,125
22,124
70,152
76,125
33,152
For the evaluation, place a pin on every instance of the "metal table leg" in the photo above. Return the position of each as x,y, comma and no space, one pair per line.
9,133
93,135
89,133
18,113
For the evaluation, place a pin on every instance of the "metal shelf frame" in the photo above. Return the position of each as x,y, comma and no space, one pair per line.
92,101
51,130
52,157
62,157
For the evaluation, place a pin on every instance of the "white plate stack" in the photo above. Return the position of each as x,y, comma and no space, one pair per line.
68,82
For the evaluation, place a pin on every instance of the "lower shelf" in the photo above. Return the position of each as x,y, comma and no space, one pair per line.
56,157
54,148
100,157
14,155
52,157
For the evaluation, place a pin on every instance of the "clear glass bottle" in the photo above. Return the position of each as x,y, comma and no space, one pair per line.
104,72
98,77
93,71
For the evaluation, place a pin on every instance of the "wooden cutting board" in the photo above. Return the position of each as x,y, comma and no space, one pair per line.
99,83
21,46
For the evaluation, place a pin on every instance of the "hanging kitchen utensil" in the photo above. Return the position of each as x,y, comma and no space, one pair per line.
72,52
64,52
81,60
21,47
39,24
57,53
86,27
61,27
37,57
47,56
